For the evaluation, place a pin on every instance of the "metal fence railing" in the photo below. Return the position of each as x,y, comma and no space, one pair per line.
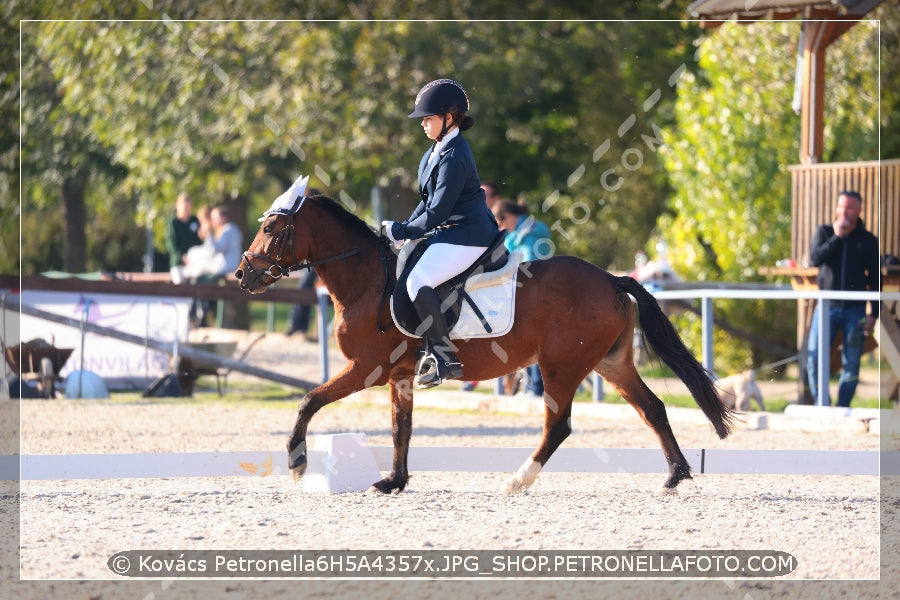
706,297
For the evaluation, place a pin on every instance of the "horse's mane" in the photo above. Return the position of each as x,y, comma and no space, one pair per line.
342,215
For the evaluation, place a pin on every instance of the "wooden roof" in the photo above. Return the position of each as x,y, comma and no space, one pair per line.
712,13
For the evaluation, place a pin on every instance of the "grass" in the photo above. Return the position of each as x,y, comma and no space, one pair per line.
272,395
262,312
244,393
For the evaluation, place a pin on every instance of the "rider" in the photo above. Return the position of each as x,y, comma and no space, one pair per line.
453,208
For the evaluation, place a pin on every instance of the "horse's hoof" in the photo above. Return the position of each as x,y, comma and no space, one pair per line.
297,465
514,486
387,486
668,491
678,474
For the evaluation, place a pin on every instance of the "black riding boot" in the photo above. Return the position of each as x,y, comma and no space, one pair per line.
440,360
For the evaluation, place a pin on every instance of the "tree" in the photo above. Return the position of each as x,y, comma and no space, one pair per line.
235,106
59,151
9,178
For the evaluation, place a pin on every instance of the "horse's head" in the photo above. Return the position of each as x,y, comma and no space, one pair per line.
274,251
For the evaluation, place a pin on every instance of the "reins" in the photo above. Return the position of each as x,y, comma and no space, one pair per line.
343,255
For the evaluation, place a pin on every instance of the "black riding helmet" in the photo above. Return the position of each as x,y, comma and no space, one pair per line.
440,97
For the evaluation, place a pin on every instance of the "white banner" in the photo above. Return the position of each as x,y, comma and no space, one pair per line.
119,363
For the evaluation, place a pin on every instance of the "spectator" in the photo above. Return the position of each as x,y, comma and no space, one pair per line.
525,235
847,257
182,230
227,243
218,256
220,252
491,193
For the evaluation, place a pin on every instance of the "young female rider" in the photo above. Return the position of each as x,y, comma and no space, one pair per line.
453,207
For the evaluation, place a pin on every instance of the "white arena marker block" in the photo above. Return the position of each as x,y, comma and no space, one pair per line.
341,463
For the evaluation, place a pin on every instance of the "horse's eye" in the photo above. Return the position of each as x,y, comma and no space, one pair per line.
267,229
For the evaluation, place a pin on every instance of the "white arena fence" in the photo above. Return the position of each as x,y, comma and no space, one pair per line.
448,459
706,297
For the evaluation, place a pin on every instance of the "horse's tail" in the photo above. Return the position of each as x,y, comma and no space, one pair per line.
665,341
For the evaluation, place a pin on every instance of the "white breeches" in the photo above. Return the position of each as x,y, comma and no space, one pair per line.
440,263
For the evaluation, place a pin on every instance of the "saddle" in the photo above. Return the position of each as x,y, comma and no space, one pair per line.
478,302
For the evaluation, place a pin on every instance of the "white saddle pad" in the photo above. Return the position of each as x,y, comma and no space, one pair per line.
494,293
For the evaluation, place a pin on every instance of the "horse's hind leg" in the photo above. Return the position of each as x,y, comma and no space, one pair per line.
618,369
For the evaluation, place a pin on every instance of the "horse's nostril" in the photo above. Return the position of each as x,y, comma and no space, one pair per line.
239,274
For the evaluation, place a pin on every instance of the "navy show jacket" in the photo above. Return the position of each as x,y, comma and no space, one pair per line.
452,200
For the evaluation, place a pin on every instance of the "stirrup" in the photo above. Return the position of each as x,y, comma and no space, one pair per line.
430,373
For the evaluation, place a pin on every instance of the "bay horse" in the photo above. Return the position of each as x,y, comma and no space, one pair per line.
571,317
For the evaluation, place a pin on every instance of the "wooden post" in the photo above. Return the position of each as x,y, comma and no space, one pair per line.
817,36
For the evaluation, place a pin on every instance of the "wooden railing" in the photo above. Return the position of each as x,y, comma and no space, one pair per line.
160,284
814,192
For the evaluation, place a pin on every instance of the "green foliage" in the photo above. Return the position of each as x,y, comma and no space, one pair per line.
889,53
237,109
727,160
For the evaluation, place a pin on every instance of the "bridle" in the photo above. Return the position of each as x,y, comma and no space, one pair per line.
285,240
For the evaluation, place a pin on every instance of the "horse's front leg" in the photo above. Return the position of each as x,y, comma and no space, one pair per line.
401,430
351,379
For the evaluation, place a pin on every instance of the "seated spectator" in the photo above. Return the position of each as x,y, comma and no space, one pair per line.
182,230
220,252
211,261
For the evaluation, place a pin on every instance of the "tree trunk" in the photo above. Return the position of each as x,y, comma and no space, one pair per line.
74,241
236,315
402,198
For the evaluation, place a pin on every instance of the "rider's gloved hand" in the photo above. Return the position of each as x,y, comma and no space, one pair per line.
388,225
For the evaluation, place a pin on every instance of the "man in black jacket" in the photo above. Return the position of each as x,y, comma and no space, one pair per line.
847,257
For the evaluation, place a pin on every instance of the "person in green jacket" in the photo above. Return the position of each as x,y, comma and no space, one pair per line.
182,230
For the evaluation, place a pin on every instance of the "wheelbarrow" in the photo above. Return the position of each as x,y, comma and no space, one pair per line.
38,361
